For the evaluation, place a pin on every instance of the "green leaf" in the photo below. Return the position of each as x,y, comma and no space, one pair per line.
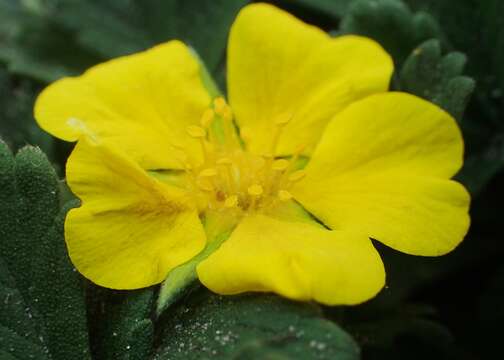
391,23
122,328
475,28
428,74
44,315
250,327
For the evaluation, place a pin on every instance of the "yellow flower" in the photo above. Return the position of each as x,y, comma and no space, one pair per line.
310,159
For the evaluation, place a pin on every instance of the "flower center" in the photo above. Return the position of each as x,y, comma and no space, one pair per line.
231,178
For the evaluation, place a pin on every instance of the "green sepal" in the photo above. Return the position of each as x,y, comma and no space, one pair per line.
218,228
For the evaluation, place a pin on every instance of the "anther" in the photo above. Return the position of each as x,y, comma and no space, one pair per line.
196,131
219,105
245,133
280,165
297,175
224,161
255,190
210,172
207,118
284,195
231,201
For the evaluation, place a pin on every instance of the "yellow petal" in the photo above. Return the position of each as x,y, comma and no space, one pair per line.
382,167
298,260
131,230
142,102
281,68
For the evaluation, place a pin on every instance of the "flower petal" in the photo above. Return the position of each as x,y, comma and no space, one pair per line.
298,260
280,67
141,102
382,167
131,230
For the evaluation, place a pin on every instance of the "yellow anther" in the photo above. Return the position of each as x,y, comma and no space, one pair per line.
245,133
210,172
224,161
299,149
205,185
196,131
219,105
284,195
297,175
280,165
255,190
207,118
227,114
231,201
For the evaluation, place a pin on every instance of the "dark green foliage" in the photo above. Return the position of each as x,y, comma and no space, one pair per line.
17,126
117,27
437,78
50,39
250,327
44,314
457,311
332,8
391,23
124,330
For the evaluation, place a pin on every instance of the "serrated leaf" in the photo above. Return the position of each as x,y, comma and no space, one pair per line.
250,327
428,74
476,28
391,23
44,316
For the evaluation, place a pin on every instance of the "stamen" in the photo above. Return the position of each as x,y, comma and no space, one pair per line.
231,201
227,114
219,105
280,165
224,161
280,123
296,176
195,131
199,133
228,175
208,173
207,118
255,191
284,195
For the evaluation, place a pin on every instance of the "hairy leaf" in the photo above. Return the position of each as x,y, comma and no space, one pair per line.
251,327
41,291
